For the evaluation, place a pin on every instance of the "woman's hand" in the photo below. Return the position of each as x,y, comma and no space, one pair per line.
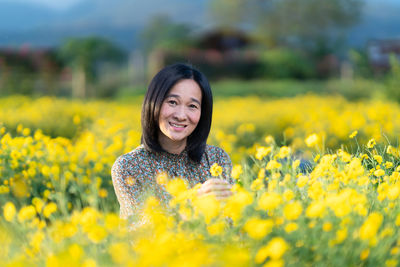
220,188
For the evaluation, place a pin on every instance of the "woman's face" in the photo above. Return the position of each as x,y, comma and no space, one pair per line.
180,112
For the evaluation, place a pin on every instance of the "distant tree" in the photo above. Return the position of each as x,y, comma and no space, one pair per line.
83,55
162,32
312,25
359,60
393,79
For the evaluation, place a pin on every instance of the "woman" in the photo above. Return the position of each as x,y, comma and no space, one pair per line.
176,121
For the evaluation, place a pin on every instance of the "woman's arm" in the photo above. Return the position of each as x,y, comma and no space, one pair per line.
226,164
126,187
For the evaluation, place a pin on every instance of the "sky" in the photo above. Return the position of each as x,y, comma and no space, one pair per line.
65,4
122,19
55,4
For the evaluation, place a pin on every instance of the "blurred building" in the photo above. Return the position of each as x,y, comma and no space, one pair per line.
29,71
219,54
379,52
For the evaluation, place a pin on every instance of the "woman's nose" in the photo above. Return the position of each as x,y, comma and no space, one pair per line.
180,113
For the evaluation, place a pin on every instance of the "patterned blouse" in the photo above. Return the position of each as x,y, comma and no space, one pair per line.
135,173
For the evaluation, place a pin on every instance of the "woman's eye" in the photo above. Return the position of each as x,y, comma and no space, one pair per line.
193,106
172,102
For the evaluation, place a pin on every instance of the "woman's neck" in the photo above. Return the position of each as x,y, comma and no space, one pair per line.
173,147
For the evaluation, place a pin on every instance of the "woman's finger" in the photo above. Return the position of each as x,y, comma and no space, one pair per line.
219,194
216,181
216,187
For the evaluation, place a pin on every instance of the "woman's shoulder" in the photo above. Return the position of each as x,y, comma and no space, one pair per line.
216,152
214,149
132,158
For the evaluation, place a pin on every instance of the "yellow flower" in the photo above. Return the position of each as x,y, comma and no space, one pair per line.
237,170
257,184
176,187
216,170
312,140
111,221
87,263
391,263
38,203
364,254
9,211
371,143
378,158
388,164
273,164
258,228
394,251
284,152
397,222
49,209
262,152
97,233
353,134
119,252
296,164
393,191
236,203
274,263
269,140
103,193
75,251
341,235
269,201
293,210
216,228
162,178
130,180
302,181
261,174
26,213
371,226
327,226
379,172
315,209
290,227
274,249
288,194
26,131
207,205
76,119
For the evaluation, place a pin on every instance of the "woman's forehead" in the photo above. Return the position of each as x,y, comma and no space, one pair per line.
186,89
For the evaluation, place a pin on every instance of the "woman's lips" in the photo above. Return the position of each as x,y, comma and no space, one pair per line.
177,127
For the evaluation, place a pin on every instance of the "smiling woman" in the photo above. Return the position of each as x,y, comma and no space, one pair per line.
176,121
179,115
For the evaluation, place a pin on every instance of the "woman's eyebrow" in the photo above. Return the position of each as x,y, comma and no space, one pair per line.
177,96
195,100
173,95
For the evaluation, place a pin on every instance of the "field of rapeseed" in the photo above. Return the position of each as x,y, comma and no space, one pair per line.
317,184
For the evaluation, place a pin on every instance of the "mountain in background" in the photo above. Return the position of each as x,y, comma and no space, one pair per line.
381,20
122,21
119,20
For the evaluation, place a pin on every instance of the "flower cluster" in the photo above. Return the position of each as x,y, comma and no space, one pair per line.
292,205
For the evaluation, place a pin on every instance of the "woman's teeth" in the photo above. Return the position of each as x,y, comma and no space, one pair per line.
178,126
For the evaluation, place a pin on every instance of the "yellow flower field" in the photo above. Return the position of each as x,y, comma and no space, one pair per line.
317,184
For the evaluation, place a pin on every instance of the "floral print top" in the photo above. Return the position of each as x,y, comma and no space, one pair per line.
135,173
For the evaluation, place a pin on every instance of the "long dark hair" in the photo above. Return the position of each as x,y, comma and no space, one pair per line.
159,87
